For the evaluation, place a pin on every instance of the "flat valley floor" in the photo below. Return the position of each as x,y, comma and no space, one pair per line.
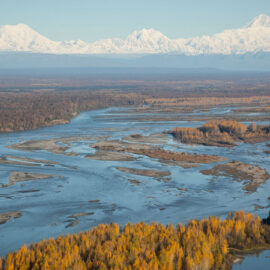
69,178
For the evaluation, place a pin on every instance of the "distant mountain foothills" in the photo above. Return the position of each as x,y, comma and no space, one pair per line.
252,38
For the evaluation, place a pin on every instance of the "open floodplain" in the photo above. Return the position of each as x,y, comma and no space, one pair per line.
111,165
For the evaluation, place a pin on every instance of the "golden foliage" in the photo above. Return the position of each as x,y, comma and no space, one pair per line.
198,245
221,133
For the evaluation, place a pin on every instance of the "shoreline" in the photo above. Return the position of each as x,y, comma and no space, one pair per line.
188,116
145,238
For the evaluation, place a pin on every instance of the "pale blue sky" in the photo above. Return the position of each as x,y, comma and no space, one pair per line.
92,20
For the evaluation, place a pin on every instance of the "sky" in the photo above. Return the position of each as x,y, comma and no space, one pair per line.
91,20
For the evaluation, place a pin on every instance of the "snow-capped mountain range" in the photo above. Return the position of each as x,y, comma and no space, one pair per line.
252,38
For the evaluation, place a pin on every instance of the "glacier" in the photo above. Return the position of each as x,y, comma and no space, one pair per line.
254,37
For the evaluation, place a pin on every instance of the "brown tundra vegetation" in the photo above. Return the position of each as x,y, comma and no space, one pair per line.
222,133
31,110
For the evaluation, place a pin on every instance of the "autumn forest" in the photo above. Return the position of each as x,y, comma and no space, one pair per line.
201,244
187,150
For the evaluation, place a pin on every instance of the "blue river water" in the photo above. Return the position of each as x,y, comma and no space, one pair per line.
81,185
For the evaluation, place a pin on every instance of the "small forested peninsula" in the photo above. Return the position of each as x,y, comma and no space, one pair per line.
206,244
225,133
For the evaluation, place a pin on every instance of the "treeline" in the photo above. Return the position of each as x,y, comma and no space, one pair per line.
198,100
205,244
222,133
30,110
35,109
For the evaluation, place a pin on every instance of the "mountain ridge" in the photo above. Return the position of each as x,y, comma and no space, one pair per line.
252,38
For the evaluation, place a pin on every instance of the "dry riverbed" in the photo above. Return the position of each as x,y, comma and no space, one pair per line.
24,161
25,176
252,176
158,138
56,146
149,173
182,159
74,219
110,156
5,217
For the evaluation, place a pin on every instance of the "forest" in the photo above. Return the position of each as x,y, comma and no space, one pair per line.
209,243
31,110
222,133
35,109
36,99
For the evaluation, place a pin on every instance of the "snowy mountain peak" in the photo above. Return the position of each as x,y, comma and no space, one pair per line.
18,28
259,21
146,34
254,37
22,26
23,38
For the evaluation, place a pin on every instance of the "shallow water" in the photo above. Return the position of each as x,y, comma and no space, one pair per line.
260,261
47,204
